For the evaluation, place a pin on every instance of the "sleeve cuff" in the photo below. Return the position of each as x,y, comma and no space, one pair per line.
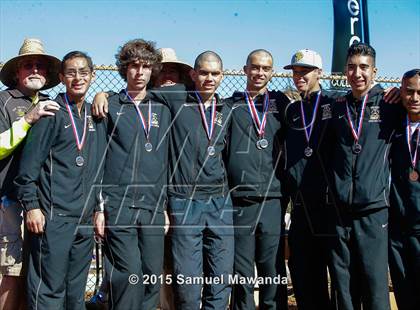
24,124
30,205
99,208
100,204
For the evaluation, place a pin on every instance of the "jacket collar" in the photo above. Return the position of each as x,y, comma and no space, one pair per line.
60,100
126,100
240,95
192,97
373,93
16,93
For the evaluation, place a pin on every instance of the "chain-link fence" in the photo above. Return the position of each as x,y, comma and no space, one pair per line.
108,78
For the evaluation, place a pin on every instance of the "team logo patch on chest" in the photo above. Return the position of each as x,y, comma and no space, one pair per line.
219,118
20,111
272,108
326,111
375,115
155,120
90,123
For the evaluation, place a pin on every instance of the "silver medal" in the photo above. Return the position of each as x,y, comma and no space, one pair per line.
211,150
308,151
263,143
80,161
357,148
148,146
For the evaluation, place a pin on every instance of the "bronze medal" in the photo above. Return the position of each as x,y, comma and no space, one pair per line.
414,176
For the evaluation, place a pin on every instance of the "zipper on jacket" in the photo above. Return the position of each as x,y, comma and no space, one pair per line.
353,168
353,165
194,170
136,160
51,190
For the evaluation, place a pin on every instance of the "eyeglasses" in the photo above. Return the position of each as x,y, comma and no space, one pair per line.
73,73
411,73
30,65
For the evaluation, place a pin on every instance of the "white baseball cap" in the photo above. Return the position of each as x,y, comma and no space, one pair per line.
305,58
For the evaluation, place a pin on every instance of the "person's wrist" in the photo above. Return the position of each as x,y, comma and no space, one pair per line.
29,119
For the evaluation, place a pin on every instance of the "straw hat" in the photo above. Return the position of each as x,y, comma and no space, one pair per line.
169,56
31,47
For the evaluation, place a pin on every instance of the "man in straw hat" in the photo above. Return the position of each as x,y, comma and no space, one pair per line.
173,70
21,105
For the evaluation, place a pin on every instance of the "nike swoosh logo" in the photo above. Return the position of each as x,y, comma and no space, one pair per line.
341,116
398,135
120,113
235,107
189,104
384,225
296,118
67,126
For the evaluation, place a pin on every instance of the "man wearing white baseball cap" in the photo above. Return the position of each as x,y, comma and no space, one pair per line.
21,105
305,58
306,181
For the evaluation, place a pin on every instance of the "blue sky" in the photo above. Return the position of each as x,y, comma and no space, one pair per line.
231,28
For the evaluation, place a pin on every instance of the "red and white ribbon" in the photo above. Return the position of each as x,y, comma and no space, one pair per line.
408,131
146,126
259,123
356,134
79,142
208,127
310,126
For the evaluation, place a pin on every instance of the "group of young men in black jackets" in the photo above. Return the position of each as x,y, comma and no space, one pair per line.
223,171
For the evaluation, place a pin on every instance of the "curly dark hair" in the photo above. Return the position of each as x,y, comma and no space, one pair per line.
138,49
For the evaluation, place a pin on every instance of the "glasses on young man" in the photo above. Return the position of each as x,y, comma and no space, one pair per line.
73,73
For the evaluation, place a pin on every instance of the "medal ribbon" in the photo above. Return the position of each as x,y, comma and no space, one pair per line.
356,135
310,126
146,127
209,129
79,143
259,124
413,158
